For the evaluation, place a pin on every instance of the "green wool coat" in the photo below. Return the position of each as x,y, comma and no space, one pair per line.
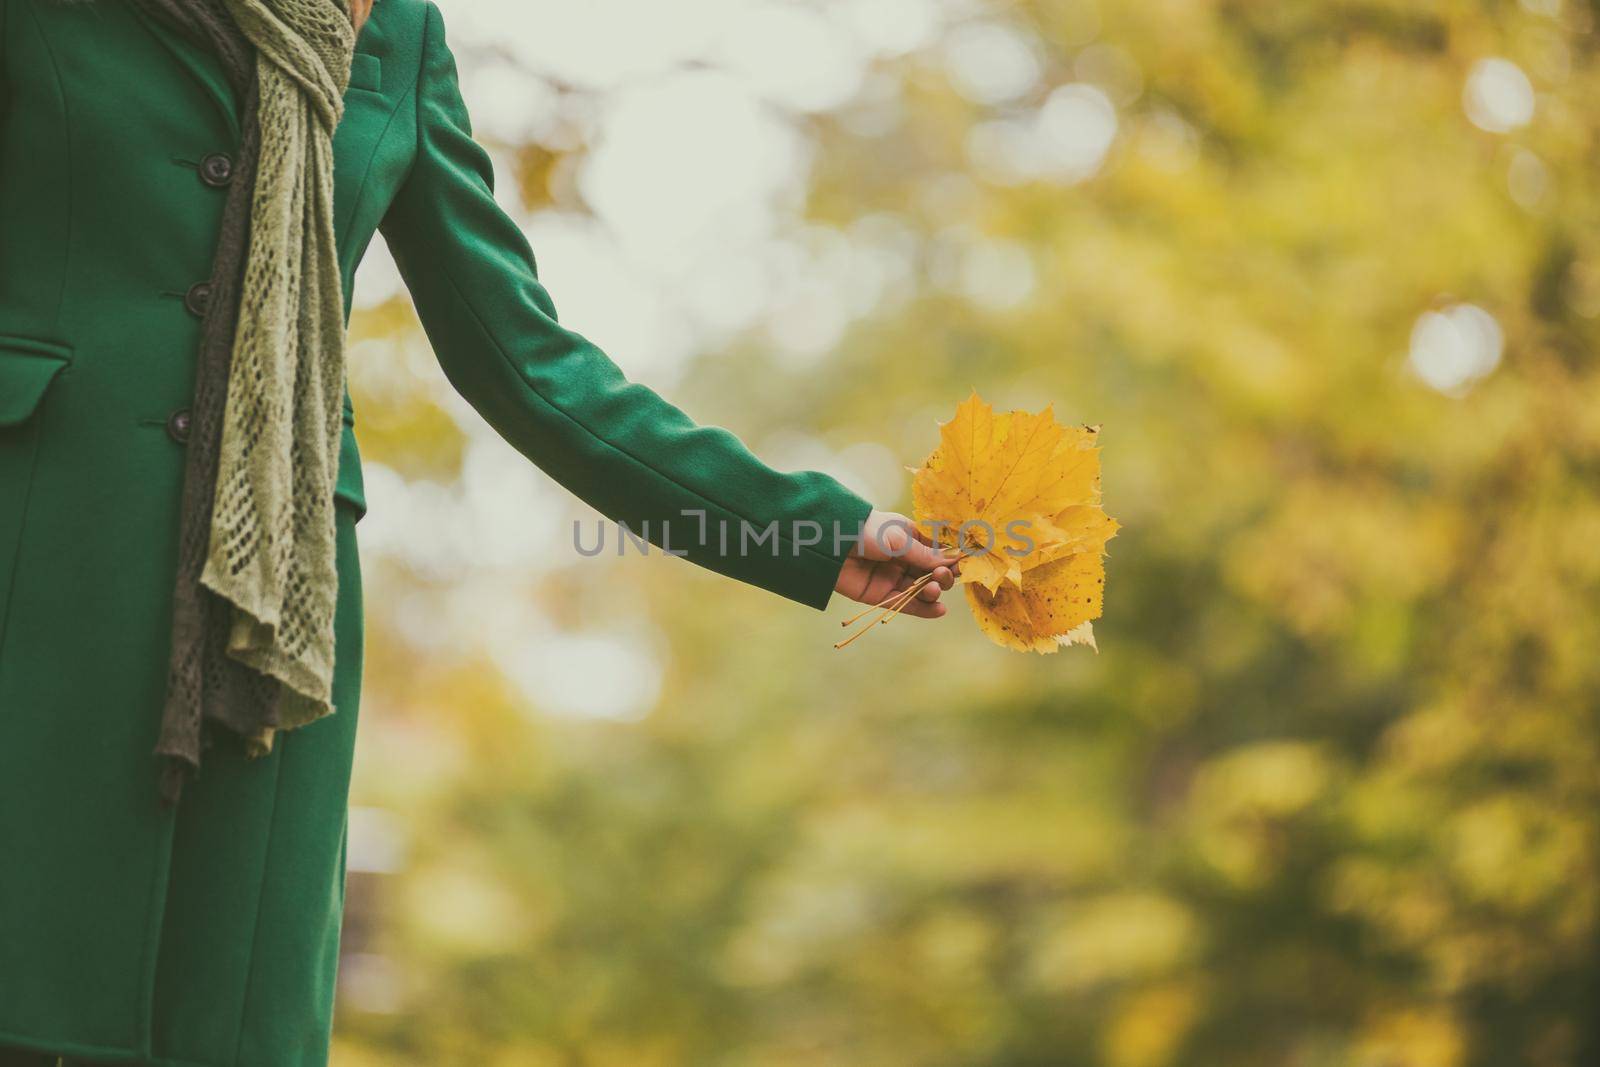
209,935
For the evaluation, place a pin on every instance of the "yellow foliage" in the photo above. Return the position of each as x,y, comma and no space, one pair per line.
1414,1039
1021,494
1116,937
1149,1027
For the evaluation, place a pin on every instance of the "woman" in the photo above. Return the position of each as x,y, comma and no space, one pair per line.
186,188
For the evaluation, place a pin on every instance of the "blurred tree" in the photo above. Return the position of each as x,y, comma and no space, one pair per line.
1328,796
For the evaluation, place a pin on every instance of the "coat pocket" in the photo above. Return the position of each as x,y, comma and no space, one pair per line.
27,369
366,72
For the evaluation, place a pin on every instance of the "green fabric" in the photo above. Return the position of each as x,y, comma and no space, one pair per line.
204,683
272,546
208,935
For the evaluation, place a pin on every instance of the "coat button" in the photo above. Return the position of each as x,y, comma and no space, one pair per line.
216,170
198,299
178,425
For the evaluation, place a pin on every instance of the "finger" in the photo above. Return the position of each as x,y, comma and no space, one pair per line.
884,583
921,609
865,581
888,540
907,578
945,577
948,555
896,540
925,585
921,556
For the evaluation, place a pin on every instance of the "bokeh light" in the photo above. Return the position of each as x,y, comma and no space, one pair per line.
1326,274
1453,348
1499,98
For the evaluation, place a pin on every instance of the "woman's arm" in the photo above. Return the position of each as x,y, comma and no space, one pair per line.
563,403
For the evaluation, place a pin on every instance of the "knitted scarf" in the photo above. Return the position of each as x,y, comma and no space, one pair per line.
252,637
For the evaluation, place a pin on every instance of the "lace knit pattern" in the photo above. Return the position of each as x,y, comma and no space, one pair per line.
253,633
272,555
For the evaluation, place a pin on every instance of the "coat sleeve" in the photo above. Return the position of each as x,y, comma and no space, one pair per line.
561,402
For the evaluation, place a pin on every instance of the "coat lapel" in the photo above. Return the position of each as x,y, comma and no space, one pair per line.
198,61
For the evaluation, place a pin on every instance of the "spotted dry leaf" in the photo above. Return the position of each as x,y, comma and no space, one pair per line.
1021,494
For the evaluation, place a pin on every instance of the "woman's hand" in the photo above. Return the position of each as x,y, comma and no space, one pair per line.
891,555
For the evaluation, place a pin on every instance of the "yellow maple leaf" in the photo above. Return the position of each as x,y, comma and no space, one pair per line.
1021,494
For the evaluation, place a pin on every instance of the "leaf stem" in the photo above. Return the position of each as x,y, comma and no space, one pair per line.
888,609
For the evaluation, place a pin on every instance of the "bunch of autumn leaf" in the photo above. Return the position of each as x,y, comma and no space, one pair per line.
1019,495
